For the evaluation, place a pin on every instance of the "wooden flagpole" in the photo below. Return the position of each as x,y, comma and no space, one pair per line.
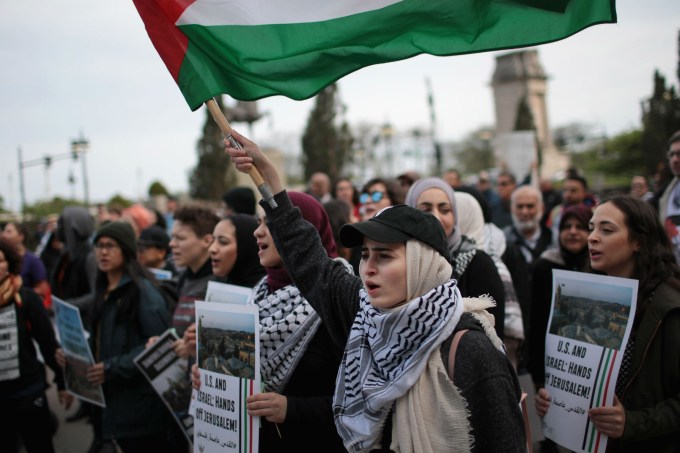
254,174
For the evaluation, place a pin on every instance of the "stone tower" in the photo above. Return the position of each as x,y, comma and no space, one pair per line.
519,78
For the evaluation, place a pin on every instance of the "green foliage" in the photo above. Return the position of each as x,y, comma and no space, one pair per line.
525,119
53,206
157,188
120,201
660,119
638,151
326,146
477,153
612,162
212,175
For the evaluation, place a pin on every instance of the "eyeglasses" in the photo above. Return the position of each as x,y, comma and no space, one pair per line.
672,154
374,197
108,246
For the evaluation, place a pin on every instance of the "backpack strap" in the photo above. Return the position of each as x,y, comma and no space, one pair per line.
525,416
523,399
452,351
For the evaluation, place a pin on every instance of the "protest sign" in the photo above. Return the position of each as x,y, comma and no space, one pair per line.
226,293
169,377
160,274
590,322
228,355
9,344
77,351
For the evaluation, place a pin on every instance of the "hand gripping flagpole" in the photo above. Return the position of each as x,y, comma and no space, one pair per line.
255,175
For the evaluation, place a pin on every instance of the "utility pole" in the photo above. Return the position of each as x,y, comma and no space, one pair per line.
433,129
22,190
78,150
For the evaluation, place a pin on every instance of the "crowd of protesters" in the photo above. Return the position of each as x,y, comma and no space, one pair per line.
351,265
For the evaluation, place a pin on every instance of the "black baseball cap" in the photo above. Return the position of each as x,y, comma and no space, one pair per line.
154,236
397,223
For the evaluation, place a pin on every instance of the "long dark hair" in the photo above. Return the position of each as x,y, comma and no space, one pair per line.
11,256
655,260
128,309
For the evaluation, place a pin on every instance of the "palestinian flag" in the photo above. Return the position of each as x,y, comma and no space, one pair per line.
251,49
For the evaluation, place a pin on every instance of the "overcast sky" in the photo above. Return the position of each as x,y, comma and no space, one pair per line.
82,66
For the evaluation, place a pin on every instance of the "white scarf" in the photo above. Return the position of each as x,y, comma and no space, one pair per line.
287,325
385,355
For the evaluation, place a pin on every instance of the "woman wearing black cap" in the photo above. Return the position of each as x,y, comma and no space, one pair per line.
395,389
127,310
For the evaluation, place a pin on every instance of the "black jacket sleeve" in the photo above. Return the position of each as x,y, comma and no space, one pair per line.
481,277
541,298
489,385
43,333
324,282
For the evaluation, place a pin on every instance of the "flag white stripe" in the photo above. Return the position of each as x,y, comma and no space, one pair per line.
265,12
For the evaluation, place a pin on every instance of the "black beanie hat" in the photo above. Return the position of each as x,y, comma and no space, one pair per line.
241,200
122,233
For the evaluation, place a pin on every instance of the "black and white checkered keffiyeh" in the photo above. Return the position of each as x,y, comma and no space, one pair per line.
287,325
385,355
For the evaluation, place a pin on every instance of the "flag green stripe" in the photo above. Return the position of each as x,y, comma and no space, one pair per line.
298,60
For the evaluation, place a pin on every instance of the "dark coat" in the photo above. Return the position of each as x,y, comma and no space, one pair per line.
33,323
481,277
133,408
652,394
309,418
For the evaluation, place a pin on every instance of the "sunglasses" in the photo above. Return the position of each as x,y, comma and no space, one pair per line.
374,197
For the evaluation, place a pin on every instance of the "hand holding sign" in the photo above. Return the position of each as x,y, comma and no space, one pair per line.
609,420
270,405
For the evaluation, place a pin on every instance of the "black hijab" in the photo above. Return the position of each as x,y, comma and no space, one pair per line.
247,270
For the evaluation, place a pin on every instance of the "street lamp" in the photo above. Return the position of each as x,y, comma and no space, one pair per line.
78,149
386,132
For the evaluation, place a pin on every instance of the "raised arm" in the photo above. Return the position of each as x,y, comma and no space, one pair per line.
324,282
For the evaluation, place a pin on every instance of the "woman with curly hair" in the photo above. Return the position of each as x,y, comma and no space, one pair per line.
627,240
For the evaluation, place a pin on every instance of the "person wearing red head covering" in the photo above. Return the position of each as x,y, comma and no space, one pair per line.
298,360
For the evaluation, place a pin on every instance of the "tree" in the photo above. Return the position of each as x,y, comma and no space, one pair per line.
476,153
617,158
157,188
120,201
660,119
53,206
326,145
212,175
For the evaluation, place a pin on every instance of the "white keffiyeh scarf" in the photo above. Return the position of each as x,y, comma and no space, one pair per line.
385,355
287,325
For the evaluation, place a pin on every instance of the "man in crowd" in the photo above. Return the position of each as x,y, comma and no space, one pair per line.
452,176
531,238
526,231
574,192
500,212
190,244
320,187
669,203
